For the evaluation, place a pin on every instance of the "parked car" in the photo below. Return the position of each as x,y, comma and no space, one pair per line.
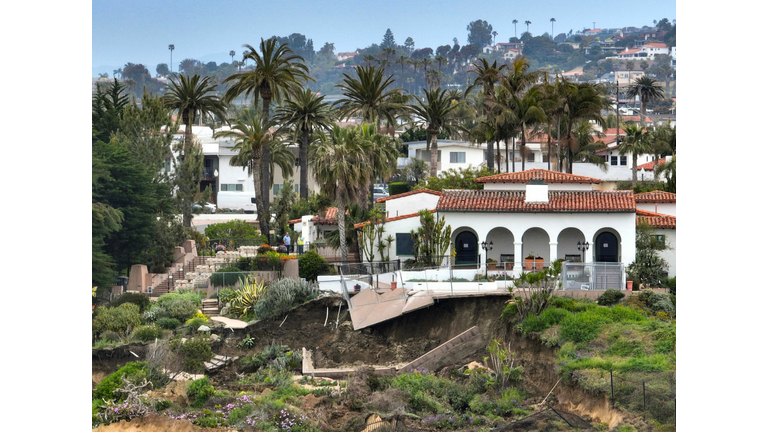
379,192
205,208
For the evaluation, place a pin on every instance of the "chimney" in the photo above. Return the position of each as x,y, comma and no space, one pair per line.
536,192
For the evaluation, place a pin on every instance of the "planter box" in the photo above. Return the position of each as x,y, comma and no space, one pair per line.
491,266
531,265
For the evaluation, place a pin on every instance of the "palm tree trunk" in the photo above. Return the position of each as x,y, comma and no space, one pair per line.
265,176
513,154
187,119
260,209
634,168
506,150
634,145
498,156
522,147
433,156
304,165
342,228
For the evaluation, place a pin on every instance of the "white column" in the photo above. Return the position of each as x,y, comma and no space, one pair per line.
588,253
518,258
552,252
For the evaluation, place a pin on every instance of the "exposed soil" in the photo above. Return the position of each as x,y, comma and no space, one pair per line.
393,342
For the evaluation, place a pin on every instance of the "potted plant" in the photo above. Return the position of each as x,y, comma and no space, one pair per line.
529,261
491,263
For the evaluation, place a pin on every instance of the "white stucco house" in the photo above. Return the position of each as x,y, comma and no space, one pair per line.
450,154
535,212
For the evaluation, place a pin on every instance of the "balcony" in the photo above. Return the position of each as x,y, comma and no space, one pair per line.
208,173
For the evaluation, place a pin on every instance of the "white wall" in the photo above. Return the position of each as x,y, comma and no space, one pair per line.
411,204
552,186
474,155
234,175
669,254
663,208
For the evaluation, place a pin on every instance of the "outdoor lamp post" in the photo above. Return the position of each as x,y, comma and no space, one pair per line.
582,247
486,247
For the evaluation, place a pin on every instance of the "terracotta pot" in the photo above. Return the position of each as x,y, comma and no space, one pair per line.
529,263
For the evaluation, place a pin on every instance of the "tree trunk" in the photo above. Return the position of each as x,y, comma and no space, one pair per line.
340,216
260,209
489,154
506,150
522,148
187,119
304,165
513,154
265,175
498,156
634,145
433,156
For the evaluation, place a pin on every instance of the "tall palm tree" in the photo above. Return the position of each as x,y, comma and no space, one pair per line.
552,103
487,76
306,112
171,47
250,133
368,94
582,101
339,163
588,147
187,96
552,20
278,73
669,170
647,89
636,141
381,154
232,55
435,112
514,21
527,23
520,111
660,145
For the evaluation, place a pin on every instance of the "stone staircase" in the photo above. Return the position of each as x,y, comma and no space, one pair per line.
211,307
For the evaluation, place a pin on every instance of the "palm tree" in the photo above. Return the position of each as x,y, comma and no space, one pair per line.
381,154
435,113
171,47
582,101
339,162
520,111
647,89
306,112
495,33
669,170
514,21
487,76
278,73
552,20
187,96
636,141
527,23
250,133
368,95
660,144
232,55
588,147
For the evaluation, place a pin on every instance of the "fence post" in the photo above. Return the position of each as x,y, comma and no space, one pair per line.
612,396
643,395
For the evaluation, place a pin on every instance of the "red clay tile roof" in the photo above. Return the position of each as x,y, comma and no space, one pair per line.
537,174
656,220
656,197
636,119
648,166
294,221
396,218
405,194
656,45
612,131
514,201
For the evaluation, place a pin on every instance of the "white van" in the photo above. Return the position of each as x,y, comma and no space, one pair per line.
236,201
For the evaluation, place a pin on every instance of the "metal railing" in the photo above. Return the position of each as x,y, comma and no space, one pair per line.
593,276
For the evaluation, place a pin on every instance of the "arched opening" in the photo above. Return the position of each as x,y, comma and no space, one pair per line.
606,247
466,248
503,246
567,245
536,244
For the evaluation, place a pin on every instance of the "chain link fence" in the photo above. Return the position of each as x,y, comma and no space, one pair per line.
544,419
654,395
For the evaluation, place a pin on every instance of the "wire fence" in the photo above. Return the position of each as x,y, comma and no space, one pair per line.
655,397
540,420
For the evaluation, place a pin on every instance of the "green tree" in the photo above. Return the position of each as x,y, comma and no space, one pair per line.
647,89
458,179
431,239
306,112
581,101
409,44
190,95
389,40
669,170
162,70
480,33
520,111
648,266
367,94
587,150
234,229
278,73
635,142
251,134
487,75
339,163
107,106
434,113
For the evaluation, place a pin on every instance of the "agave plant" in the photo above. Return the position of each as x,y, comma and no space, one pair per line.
246,296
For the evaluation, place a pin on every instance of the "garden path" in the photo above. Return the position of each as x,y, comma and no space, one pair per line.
230,323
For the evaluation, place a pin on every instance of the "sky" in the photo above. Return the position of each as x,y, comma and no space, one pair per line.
140,31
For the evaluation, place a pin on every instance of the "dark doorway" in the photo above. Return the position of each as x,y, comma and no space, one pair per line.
607,248
466,248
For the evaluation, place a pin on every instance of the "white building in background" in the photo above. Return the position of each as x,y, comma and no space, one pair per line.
450,154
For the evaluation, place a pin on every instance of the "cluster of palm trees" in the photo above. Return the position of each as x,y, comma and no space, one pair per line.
513,102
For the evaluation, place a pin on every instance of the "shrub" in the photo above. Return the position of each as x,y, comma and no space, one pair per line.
140,300
111,336
665,340
245,297
193,353
661,303
181,305
282,295
553,316
571,304
582,327
135,372
234,229
221,278
117,319
247,342
396,188
610,297
225,295
147,333
311,264
277,357
168,323
199,391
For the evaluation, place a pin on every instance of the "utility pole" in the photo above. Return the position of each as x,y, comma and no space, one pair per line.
617,112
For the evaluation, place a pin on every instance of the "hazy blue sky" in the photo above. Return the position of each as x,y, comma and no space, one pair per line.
140,31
